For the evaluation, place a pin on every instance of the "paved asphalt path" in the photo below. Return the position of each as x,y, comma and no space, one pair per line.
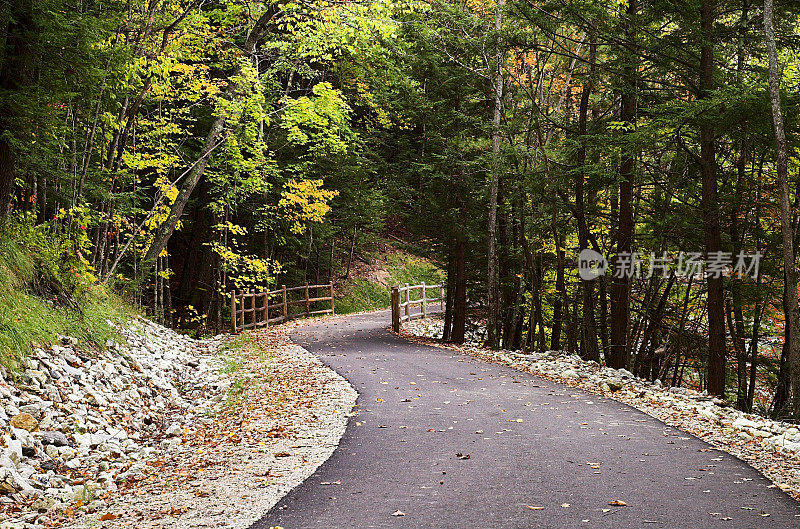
523,441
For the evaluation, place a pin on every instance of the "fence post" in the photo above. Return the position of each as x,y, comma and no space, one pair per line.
408,304
332,307
253,308
395,309
265,314
241,308
424,310
233,311
441,297
308,303
285,305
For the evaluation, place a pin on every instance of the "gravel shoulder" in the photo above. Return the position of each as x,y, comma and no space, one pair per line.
283,416
771,447
165,431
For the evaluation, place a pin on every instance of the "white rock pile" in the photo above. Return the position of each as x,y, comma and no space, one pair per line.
75,425
773,435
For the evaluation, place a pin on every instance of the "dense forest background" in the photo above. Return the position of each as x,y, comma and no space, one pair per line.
174,150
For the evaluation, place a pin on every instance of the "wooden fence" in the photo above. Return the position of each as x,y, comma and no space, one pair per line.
402,302
255,309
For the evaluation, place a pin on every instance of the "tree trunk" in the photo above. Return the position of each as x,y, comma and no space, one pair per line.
460,300
572,336
603,322
6,178
350,255
759,310
790,284
449,295
783,389
560,296
559,305
14,77
494,283
736,331
41,199
735,313
588,349
649,341
620,288
537,305
710,210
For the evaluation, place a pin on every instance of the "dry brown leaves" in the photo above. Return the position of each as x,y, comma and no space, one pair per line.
263,402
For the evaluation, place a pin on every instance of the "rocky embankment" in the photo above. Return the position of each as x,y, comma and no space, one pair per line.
772,447
76,426
283,416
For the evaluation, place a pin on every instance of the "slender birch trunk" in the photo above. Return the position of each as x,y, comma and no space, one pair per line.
494,282
781,166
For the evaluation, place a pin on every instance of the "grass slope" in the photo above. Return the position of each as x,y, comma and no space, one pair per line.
28,320
365,292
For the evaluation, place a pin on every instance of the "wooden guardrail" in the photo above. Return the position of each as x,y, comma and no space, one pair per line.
402,302
252,309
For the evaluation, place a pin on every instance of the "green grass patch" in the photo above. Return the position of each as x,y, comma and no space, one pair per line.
363,295
235,353
27,321
232,365
30,318
237,344
237,392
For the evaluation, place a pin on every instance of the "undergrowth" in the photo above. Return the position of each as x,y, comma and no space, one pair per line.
235,353
47,289
360,294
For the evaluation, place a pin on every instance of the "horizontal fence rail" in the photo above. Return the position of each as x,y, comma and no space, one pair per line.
258,309
404,297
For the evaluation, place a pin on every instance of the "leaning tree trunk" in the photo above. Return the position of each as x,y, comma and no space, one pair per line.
790,283
213,139
448,306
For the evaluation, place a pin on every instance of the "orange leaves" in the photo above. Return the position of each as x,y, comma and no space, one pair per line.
277,432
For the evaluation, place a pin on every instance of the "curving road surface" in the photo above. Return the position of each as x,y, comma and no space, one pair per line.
523,442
